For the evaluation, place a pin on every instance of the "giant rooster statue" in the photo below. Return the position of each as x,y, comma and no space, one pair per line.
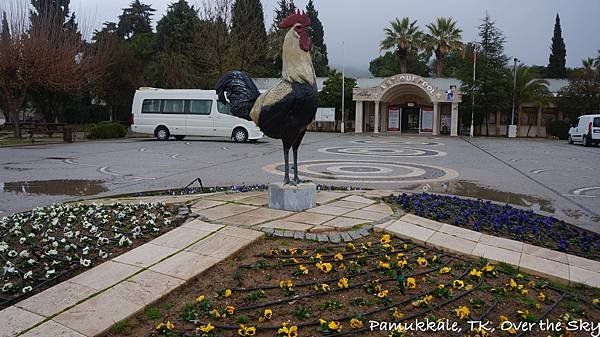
286,110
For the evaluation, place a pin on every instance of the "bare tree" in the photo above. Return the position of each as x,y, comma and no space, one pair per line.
44,56
215,37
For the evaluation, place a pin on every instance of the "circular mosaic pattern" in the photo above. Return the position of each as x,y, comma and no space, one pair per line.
397,142
381,152
363,171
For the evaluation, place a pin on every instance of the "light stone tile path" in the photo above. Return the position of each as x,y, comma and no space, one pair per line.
527,258
91,302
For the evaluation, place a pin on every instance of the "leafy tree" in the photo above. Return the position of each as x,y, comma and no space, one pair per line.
249,37
331,95
177,63
136,19
582,94
319,50
276,36
56,10
388,65
491,90
558,53
443,37
4,41
403,36
216,38
528,89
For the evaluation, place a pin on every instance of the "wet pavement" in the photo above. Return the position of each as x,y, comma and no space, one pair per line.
545,175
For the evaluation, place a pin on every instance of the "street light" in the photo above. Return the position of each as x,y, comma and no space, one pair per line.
475,46
512,128
342,127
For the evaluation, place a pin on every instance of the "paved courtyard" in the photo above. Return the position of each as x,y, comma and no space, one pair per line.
546,175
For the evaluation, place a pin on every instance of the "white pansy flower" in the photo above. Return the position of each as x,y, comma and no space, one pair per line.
28,274
102,254
24,254
85,262
12,253
7,286
50,273
26,289
3,246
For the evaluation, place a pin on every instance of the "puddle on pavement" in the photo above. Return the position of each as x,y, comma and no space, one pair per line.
467,188
56,187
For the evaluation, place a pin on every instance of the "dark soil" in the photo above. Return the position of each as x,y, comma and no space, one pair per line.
254,274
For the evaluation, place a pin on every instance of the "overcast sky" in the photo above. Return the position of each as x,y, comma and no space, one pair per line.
527,24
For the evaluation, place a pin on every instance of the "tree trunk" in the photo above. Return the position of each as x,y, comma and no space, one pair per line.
14,116
403,65
439,67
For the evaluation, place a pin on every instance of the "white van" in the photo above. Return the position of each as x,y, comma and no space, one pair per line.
587,130
187,112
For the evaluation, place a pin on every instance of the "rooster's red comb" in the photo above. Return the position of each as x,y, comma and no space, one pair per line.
294,18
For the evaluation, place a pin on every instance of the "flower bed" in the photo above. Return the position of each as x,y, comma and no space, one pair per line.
502,220
49,244
287,288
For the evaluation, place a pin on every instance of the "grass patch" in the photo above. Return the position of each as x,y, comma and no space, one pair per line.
120,327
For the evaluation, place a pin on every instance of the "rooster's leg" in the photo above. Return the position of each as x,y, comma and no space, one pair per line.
295,150
286,157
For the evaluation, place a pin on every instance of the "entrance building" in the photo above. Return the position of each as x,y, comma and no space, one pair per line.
407,103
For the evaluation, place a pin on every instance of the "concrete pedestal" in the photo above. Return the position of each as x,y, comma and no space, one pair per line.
292,198
512,131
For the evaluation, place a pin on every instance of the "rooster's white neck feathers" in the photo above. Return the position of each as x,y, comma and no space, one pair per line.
297,63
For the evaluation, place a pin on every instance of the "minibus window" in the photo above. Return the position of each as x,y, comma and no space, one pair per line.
173,106
151,106
200,107
223,108
597,122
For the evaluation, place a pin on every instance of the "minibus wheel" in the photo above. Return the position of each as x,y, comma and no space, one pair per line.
240,135
162,133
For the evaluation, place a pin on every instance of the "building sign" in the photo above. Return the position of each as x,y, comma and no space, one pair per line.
393,118
325,115
426,120
434,93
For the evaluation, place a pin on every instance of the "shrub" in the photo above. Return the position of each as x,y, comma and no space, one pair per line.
558,129
106,131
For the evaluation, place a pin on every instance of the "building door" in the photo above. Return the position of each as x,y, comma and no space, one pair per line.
410,119
393,118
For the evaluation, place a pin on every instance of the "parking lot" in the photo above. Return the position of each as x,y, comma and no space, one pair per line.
545,175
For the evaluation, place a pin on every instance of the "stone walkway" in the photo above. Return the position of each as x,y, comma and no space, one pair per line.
91,302
527,258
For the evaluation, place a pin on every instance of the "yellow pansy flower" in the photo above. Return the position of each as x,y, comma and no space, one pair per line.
411,283
230,309
356,323
383,293
199,298
445,270
206,328
402,263
303,269
384,265
335,326
488,268
458,284
227,293
385,239
475,273
396,313
324,266
338,257
541,296
268,313
462,312
511,284
596,301
351,246
246,330
422,261
293,251
343,283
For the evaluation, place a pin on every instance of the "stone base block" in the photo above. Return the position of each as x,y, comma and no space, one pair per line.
292,198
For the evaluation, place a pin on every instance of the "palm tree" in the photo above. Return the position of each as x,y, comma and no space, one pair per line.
588,63
444,37
529,89
402,35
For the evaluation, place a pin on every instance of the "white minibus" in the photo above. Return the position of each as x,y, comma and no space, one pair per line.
178,113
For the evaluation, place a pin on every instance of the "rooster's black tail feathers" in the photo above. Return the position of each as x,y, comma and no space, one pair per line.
237,89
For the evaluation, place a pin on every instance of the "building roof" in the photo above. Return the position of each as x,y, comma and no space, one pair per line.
265,83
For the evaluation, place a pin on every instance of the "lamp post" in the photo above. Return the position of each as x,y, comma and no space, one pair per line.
342,126
512,129
475,46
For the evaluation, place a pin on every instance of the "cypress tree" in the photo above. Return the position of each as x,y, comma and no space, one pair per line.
5,30
136,19
249,36
558,53
284,8
317,37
